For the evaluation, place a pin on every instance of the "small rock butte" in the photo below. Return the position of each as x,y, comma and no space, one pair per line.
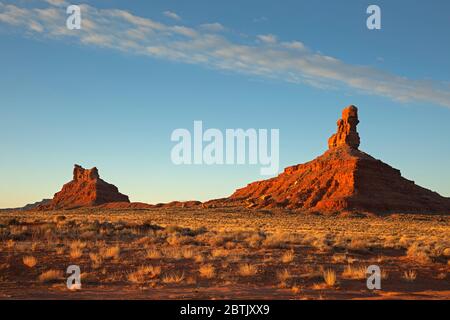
86,189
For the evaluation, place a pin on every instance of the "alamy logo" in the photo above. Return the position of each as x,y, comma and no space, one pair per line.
374,279
374,20
238,146
74,280
74,19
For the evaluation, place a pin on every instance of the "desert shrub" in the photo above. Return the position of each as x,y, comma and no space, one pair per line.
50,276
219,253
329,277
339,258
110,252
178,239
358,244
247,270
207,271
255,240
410,275
96,259
172,253
76,253
446,252
78,244
173,277
187,253
288,256
153,253
277,240
29,261
144,273
418,253
354,272
284,275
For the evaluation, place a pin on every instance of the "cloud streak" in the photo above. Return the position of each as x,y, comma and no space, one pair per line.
172,15
208,45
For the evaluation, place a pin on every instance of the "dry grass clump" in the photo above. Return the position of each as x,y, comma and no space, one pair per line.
60,250
358,244
355,272
284,275
76,253
76,249
188,253
50,276
34,246
329,277
296,289
78,244
446,252
410,275
110,252
172,253
207,271
418,253
29,261
153,253
339,258
322,243
96,259
173,277
277,240
144,273
288,256
247,270
178,240
254,240
199,258
10,244
219,253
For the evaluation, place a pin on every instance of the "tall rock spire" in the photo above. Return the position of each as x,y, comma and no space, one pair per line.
342,179
346,133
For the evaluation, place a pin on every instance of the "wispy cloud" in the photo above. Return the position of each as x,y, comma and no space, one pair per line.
207,45
172,15
213,27
267,38
57,2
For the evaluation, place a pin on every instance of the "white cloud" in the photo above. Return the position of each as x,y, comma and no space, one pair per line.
290,61
267,38
213,27
57,3
172,15
297,45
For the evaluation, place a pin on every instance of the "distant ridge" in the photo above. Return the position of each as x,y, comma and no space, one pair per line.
343,179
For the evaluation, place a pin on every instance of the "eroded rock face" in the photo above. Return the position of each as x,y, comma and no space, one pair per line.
346,134
86,189
342,179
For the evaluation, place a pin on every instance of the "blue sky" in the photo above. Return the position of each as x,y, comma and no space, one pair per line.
111,94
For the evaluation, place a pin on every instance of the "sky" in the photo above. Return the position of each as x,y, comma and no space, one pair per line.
110,94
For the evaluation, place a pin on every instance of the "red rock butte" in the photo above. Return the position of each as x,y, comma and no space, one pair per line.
342,179
86,189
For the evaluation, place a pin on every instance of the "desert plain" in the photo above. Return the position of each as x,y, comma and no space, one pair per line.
222,253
